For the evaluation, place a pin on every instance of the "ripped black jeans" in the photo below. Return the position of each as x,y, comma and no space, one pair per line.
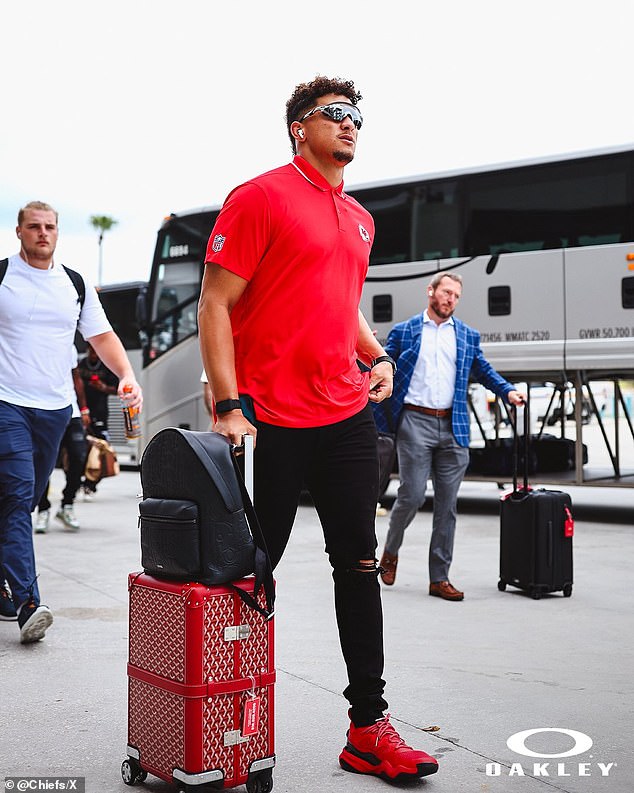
338,465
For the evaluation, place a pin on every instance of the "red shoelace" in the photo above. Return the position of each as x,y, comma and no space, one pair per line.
385,731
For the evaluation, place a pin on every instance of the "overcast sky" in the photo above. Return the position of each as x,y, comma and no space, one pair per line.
137,108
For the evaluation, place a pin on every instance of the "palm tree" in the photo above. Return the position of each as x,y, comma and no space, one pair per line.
102,223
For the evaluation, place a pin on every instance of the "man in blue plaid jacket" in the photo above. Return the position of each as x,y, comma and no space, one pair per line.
435,354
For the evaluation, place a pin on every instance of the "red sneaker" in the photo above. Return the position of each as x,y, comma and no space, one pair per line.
380,750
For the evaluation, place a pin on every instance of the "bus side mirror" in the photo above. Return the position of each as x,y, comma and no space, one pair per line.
493,263
141,309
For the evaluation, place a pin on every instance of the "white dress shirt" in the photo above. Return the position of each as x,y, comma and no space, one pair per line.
434,378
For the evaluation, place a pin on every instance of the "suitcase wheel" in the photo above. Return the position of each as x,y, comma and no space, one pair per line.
131,772
536,594
567,590
502,585
261,782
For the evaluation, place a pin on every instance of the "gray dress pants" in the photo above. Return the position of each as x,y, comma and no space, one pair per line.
427,449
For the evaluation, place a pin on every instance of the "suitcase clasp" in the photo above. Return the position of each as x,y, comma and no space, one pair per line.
234,737
236,633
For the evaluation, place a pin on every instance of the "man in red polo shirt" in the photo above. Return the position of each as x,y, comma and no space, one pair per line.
281,333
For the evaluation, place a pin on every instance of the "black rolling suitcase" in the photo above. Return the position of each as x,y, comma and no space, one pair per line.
536,530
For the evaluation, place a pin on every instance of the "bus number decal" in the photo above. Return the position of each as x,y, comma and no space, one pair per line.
516,335
606,333
178,250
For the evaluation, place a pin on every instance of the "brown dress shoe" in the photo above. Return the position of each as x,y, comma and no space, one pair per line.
388,568
444,590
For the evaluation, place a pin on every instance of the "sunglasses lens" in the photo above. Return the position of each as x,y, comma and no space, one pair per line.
338,112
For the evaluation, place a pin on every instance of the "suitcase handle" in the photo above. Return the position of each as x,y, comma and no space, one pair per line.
246,448
516,446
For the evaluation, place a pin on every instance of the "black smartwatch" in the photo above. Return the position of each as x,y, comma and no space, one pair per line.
387,358
226,405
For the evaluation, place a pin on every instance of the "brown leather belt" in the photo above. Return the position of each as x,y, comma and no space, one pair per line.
438,413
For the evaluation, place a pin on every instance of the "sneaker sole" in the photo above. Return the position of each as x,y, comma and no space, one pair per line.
67,526
4,618
359,765
35,628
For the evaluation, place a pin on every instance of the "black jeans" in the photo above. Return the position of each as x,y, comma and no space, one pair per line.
338,465
74,441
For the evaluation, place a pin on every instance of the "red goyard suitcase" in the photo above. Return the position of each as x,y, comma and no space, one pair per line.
200,687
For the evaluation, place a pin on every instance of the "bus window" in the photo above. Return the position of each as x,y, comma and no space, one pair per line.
437,222
554,205
175,280
391,209
175,305
176,283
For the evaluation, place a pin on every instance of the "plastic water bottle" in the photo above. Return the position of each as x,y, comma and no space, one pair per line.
131,418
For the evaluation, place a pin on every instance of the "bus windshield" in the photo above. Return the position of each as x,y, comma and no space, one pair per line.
175,280
119,302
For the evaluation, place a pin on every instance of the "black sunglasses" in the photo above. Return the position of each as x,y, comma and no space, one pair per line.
337,111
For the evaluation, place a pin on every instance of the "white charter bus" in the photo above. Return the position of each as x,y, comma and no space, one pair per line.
545,250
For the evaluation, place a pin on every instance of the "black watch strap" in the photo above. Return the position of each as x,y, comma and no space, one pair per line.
226,405
387,358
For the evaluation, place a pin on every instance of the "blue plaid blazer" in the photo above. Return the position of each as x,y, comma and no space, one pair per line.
403,344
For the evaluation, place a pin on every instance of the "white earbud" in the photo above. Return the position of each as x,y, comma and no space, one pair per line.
300,133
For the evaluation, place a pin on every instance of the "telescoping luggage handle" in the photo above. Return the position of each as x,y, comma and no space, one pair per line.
516,448
263,569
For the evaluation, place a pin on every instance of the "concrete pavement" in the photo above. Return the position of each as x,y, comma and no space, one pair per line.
481,670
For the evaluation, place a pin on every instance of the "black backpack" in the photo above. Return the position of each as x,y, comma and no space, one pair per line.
196,518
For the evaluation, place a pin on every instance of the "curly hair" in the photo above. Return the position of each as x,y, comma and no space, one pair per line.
305,96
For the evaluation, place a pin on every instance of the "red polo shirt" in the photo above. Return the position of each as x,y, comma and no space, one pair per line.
304,247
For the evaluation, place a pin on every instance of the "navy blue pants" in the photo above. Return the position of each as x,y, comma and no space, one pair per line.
29,443
338,465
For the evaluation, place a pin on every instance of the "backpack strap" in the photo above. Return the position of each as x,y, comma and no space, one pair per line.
78,283
75,277
262,563
219,474
263,568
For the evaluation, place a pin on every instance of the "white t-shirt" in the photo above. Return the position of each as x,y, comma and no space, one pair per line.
39,310
76,414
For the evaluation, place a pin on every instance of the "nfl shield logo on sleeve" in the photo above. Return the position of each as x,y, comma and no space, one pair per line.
218,242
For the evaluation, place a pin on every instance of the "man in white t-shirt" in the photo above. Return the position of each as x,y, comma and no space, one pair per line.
41,307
